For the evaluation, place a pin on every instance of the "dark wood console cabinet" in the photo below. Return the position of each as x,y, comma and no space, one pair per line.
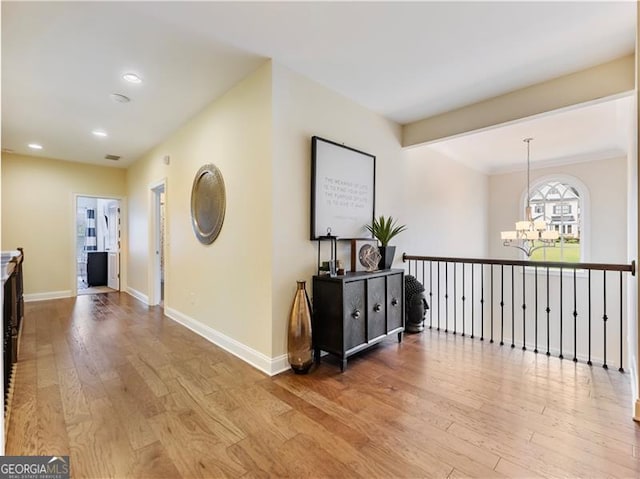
12,319
355,311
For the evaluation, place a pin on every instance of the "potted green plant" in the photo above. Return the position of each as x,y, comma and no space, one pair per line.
384,229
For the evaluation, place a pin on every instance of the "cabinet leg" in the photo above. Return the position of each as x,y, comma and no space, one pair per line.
316,355
343,365
400,337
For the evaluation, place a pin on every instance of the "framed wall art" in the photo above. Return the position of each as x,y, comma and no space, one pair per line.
342,190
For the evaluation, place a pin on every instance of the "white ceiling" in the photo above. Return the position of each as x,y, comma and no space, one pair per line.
593,132
60,61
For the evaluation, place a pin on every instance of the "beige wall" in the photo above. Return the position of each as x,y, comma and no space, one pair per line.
225,286
259,135
302,109
266,230
606,181
446,202
601,81
38,214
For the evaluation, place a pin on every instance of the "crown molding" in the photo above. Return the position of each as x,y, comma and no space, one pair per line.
600,155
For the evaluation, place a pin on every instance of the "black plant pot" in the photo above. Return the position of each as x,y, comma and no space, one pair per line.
387,253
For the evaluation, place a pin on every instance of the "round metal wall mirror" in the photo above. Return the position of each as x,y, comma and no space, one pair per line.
208,203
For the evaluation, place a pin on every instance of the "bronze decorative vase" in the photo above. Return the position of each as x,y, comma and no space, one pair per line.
299,346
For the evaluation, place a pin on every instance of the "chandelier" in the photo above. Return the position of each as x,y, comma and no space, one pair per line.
530,235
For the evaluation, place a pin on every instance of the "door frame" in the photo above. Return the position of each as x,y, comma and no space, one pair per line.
154,278
118,246
74,243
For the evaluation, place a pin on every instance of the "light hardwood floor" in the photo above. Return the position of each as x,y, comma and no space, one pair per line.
127,392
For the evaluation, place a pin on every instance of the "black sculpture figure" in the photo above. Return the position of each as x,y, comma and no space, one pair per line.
415,305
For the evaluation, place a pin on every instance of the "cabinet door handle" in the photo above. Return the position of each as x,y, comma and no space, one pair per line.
394,302
356,314
377,308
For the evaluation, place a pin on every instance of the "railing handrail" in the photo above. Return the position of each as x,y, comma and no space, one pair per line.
540,264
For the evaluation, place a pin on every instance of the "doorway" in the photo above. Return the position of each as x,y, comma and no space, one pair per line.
97,252
158,195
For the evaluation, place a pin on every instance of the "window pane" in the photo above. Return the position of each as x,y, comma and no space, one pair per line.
559,204
561,209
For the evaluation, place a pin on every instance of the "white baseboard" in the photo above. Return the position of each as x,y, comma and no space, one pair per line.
28,298
280,364
258,360
635,392
138,295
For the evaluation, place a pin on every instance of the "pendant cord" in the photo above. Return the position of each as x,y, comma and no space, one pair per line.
537,235
528,207
528,173
528,140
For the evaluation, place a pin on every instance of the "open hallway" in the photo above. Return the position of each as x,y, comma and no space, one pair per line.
126,392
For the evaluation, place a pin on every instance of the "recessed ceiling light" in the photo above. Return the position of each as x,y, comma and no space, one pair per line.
117,97
100,133
35,146
132,78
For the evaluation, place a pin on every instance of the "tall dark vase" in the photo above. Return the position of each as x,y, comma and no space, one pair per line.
387,253
299,346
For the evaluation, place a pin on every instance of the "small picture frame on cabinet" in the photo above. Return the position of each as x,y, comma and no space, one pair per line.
359,249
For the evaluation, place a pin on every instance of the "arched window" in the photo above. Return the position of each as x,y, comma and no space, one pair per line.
561,202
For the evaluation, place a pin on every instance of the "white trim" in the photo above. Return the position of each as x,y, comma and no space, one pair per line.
633,373
258,360
138,295
153,272
585,208
544,114
28,298
566,272
74,244
602,155
280,364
